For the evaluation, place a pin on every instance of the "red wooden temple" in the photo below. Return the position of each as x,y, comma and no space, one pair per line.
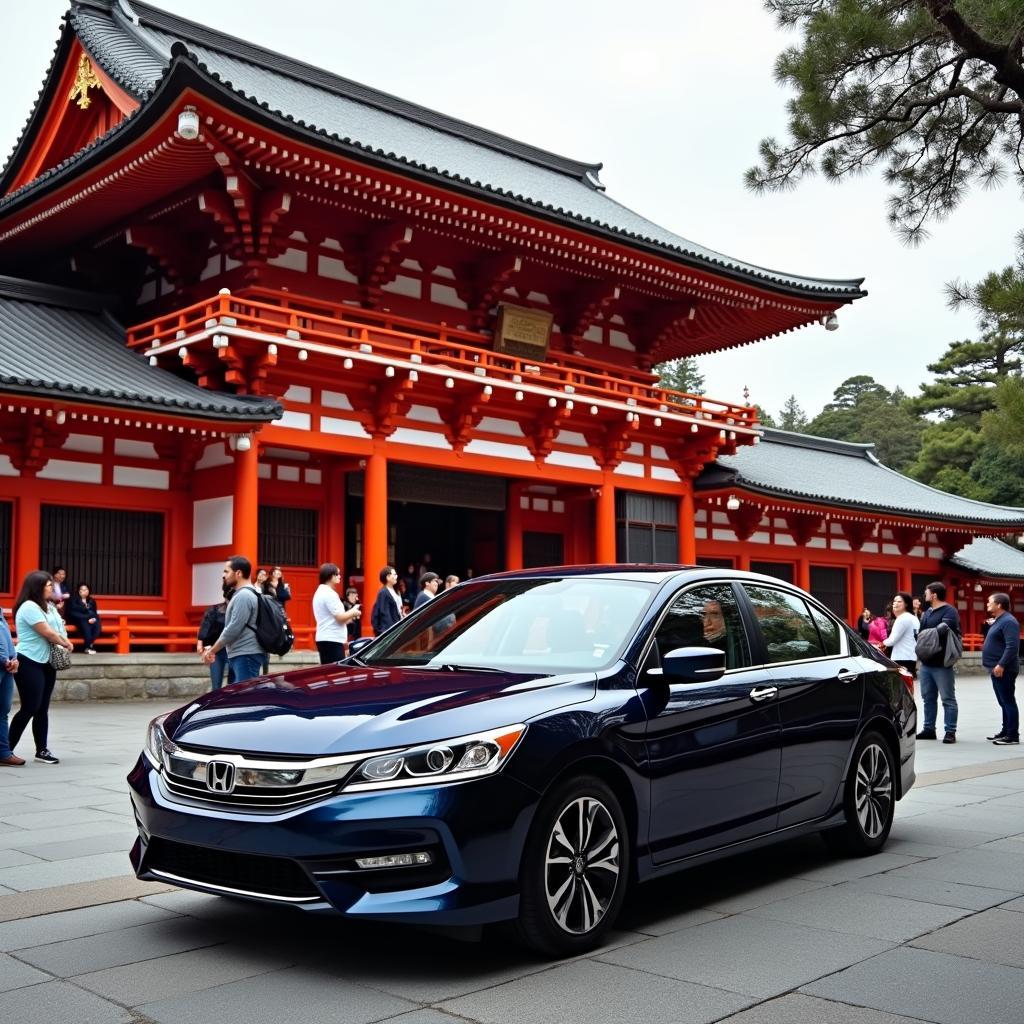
252,306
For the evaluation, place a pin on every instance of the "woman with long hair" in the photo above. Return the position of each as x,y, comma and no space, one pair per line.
387,609
38,625
901,642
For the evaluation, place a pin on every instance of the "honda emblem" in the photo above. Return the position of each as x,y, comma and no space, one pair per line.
220,776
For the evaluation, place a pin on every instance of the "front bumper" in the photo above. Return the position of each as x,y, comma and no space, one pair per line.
475,831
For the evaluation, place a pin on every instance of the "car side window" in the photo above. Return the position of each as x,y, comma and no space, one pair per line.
785,620
828,630
705,616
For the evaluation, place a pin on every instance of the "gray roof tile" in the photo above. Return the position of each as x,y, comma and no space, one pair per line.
992,558
838,473
137,54
59,343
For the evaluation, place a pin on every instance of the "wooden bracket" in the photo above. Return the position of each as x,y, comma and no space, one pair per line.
803,525
907,538
611,443
36,445
466,413
585,305
480,284
183,453
384,404
745,520
541,431
950,543
857,533
374,258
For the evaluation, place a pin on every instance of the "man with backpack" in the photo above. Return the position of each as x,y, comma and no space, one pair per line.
240,637
936,676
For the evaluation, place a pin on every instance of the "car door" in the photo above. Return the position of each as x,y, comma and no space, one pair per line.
713,747
820,698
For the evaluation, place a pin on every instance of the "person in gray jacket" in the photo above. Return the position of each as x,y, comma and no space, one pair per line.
245,656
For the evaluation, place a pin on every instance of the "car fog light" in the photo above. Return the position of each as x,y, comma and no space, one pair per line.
397,860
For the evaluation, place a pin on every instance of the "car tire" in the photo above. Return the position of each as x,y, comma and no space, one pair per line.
869,799
575,869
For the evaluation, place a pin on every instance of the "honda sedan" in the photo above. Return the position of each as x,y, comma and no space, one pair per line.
524,747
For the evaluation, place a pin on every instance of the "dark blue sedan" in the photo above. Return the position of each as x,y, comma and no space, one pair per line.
525,746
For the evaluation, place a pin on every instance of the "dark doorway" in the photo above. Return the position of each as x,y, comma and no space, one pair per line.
463,541
828,585
780,570
542,549
879,587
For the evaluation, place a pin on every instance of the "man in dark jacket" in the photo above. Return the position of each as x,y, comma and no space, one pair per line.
1001,657
937,680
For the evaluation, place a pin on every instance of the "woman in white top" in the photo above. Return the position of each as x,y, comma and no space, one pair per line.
331,616
901,643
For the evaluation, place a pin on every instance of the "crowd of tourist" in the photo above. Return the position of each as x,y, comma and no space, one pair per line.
922,634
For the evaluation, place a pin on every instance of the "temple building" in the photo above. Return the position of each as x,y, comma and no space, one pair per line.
252,306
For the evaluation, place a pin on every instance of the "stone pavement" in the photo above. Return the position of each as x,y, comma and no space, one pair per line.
931,929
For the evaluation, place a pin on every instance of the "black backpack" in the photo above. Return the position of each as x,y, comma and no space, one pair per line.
272,631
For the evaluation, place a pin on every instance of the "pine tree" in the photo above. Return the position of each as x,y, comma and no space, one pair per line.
681,375
792,416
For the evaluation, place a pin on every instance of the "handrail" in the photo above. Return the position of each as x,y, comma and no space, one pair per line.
130,633
363,332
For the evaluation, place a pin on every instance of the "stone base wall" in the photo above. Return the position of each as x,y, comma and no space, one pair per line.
148,676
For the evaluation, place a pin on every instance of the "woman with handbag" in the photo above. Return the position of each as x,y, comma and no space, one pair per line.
43,647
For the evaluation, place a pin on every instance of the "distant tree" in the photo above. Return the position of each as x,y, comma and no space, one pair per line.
972,379
931,90
864,411
764,417
681,375
792,416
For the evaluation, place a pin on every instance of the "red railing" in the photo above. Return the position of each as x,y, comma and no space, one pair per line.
129,633
348,331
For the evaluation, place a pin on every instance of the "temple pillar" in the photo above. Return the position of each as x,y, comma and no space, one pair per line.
375,522
514,527
26,538
856,598
604,522
334,534
245,503
687,526
803,573
179,540
743,560
905,578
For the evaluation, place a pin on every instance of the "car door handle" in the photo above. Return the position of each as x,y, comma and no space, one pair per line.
764,692
847,676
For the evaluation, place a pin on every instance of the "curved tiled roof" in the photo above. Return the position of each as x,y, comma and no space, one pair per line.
840,473
992,558
134,43
56,342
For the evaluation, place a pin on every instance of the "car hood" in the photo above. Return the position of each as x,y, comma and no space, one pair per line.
340,709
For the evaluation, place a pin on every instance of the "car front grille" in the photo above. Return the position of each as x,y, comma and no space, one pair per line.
260,785
246,873
249,798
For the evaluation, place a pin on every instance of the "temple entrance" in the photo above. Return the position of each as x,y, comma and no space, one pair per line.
449,522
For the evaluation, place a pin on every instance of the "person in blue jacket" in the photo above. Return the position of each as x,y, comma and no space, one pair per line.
1000,656
387,609
8,666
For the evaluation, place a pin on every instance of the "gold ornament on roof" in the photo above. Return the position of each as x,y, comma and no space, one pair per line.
85,79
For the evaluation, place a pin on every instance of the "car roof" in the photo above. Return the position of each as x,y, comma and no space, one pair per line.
644,572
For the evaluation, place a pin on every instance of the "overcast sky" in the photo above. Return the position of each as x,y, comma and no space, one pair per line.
673,98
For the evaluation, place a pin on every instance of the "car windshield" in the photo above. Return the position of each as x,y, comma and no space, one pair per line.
518,625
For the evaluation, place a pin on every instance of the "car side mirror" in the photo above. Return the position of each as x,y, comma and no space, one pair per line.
355,646
693,665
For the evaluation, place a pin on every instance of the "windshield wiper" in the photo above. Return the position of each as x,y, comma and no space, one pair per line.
447,667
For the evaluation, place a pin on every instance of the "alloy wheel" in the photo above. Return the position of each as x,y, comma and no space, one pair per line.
581,865
873,790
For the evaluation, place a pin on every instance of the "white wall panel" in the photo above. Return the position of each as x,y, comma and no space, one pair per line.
211,521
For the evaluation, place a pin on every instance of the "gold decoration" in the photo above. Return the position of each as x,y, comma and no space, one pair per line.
85,79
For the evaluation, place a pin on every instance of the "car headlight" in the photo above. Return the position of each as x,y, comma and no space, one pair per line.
158,746
466,757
